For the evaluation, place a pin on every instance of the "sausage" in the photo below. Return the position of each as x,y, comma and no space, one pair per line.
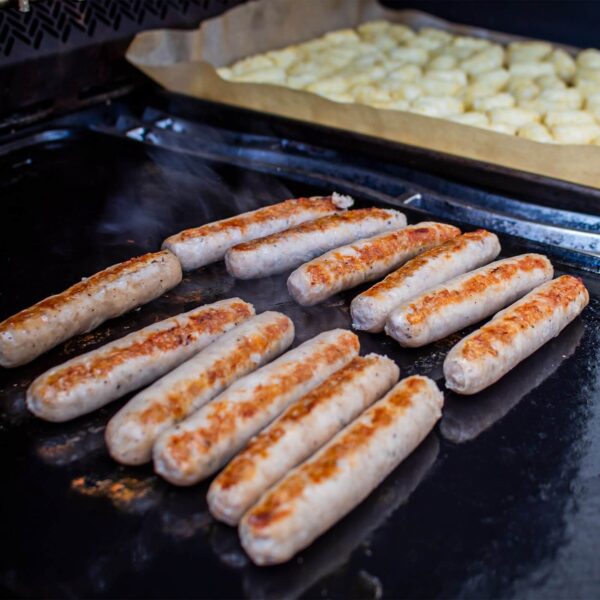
464,419
202,444
364,260
466,299
96,378
303,428
85,305
351,535
487,354
322,490
132,432
206,244
283,251
464,253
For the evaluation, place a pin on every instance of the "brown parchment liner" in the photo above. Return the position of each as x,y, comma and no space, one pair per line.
185,62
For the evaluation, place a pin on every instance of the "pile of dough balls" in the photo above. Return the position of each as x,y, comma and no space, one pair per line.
530,89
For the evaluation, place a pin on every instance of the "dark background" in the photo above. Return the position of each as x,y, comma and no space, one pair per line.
572,22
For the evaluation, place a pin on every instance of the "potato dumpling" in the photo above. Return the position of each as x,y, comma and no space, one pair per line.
474,91
588,59
502,128
405,73
528,51
513,116
438,87
225,73
454,75
593,101
427,43
523,89
531,70
372,29
369,93
568,117
342,36
401,33
460,53
486,103
436,106
587,75
472,43
329,85
404,90
560,99
436,34
535,132
473,118
496,79
489,59
577,133
252,63
588,88
393,105
563,63
442,63
550,82
284,58
274,75
344,97
410,54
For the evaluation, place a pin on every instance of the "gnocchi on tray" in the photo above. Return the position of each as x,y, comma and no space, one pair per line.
530,89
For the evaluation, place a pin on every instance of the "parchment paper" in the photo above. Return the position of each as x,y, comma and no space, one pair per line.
185,62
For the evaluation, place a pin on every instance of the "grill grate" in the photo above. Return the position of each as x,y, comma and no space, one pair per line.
76,48
49,22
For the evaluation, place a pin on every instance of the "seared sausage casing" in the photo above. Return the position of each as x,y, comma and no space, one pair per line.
466,299
132,432
86,305
92,380
206,244
202,444
464,253
321,491
283,251
363,261
488,353
303,428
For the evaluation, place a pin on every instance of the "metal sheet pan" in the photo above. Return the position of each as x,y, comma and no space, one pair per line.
505,507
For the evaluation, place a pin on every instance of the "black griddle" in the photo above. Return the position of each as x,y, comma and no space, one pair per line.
501,500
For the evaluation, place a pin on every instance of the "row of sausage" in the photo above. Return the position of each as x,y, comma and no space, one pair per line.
222,375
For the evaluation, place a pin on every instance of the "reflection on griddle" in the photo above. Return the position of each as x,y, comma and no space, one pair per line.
128,493
465,418
184,513
335,548
69,447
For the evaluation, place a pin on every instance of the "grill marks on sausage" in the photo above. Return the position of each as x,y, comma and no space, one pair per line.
278,503
177,402
446,250
322,225
280,210
211,321
243,466
224,415
86,287
365,254
473,286
529,314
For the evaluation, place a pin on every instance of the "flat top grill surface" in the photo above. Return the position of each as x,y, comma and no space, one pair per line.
500,500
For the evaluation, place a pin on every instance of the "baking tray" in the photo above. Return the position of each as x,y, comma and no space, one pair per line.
500,500
186,61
